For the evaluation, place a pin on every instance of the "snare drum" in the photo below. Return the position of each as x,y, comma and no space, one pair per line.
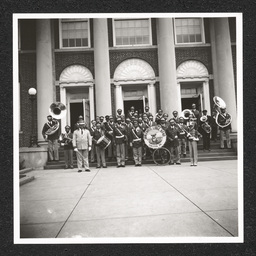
103,142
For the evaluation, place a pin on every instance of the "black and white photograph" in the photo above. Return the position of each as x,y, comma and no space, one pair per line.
128,128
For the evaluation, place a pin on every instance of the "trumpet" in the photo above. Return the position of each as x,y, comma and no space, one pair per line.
205,126
221,120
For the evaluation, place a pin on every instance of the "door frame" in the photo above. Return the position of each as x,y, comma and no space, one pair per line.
65,99
204,92
150,89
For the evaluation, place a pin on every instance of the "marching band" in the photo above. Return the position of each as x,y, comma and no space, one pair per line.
123,139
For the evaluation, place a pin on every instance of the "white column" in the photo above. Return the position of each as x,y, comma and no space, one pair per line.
63,99
169,91
214,60
207,104
225,73
119,97
91,99
102,70
44,73
152,98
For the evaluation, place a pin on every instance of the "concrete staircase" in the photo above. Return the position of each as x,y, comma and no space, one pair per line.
25,177
216,154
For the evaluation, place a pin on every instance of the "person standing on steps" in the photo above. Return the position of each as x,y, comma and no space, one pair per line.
66,141
100,152
82,143
51,133
120,137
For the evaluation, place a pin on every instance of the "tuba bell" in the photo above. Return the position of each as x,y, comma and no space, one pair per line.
205,126
221,120
57,110
186,113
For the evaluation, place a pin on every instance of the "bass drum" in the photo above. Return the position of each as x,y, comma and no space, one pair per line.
103,142
161,156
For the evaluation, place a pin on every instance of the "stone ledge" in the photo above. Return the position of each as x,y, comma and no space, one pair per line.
26,170
28,150
26,179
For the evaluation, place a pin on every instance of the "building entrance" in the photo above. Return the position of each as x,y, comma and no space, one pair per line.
186,103
76,110
138,105
79,109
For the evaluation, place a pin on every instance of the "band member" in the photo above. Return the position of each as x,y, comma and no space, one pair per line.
172,134
182,137
102,122
131,112
51,133
136,142
109,128
66,141
129,126
175,116
82,143
93,151
196,113
100,152
118,113
120,138
163,124
165,116
193,137
141,124
151,121
224,129
147,113
214,126
159,115
205,130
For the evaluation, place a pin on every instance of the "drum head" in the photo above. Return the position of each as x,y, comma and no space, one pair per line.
155,137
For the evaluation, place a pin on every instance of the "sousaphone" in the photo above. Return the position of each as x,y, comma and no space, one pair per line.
219,104
57,110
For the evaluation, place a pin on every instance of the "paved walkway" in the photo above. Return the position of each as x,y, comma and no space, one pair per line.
147,201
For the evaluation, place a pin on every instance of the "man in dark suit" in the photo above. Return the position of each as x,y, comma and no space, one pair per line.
100,152
52,137
172,134
205,134
120,137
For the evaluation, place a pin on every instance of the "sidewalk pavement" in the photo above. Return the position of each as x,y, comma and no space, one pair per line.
147,201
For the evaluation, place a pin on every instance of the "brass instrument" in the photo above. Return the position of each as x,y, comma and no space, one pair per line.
189,136
53,129
205,126
186,113
219,104
57,111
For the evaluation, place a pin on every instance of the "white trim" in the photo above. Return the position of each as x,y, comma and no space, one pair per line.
132,45
75,47
193,43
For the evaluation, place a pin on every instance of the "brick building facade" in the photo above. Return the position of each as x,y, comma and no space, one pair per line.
166,63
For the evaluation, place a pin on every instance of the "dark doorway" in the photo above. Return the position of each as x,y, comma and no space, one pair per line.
138,105
187,103
76,109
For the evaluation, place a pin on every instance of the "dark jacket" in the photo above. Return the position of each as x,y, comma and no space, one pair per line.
136,137
172,136
66,139
120,134
48,125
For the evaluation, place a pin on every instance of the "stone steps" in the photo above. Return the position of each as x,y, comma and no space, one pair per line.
213,155
25,177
